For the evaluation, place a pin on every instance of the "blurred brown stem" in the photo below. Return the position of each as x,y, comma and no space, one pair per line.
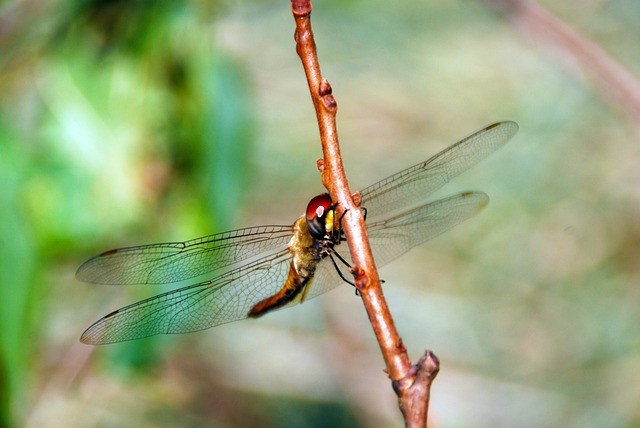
411,383
619,86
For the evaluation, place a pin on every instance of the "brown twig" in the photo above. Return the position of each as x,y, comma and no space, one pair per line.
411,383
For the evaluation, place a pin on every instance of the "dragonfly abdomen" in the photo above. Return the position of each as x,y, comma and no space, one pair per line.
291,289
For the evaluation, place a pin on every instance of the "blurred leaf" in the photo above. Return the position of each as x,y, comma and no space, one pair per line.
228,134
18,273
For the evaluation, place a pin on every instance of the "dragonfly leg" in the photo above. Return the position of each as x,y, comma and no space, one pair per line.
346,263
345,212
335,264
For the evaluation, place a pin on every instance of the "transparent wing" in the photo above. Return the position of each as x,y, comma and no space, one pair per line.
226,298
176,261
395,236
230,296
409,187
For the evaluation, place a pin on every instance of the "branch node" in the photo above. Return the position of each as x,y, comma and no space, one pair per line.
325,88
330,102
413,390
357,199
361,279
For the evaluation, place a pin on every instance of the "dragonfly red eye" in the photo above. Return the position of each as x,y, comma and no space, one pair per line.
316,213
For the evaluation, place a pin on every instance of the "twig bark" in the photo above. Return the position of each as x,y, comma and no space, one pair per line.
411,383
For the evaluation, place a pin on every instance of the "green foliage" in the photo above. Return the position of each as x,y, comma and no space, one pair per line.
122,116
18,275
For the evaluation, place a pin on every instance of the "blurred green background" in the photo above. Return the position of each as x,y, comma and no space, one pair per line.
131,122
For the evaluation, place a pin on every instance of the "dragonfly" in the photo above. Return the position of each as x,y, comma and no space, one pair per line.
246,273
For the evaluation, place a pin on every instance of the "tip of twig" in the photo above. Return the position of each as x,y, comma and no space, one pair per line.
301,7
420,375
429,364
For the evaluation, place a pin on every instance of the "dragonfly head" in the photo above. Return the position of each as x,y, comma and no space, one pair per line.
320,216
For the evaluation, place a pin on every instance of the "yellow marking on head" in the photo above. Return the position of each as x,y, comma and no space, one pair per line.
329,221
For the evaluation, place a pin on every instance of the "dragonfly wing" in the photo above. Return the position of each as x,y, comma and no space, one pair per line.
226,298
176,261
409,187
395,236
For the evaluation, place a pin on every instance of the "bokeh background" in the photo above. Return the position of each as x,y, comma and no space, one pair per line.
131,122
